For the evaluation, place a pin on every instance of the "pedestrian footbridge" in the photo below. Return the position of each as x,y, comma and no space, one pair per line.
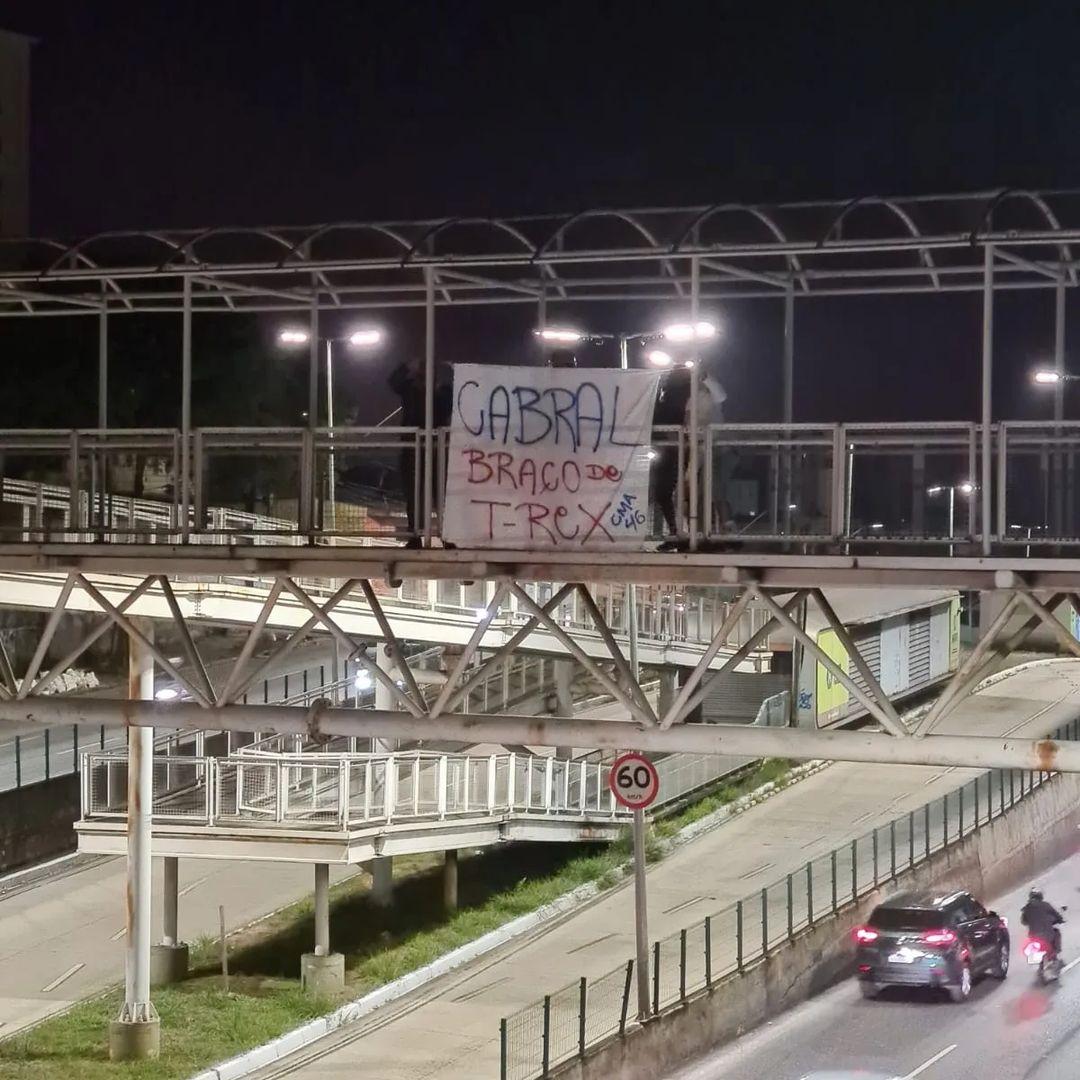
334,805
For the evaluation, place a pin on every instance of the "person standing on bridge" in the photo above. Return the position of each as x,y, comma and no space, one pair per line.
671,410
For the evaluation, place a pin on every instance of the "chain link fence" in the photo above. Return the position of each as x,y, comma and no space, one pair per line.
540,1037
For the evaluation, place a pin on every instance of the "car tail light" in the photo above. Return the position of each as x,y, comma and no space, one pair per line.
1004,922
865,969
864,935
939,937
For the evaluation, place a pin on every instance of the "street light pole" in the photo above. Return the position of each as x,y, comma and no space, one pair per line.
332,484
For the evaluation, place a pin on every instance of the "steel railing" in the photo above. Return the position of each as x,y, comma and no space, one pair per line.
265,783
818,483
565,1024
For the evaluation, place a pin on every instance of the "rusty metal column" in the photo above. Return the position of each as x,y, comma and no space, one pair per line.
987,481
136,1033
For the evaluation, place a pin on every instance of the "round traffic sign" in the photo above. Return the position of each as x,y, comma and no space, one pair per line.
634,780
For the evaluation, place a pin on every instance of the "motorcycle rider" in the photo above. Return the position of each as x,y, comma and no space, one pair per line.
1042,920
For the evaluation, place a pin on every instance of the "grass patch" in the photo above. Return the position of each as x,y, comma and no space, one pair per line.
771,770
201,1025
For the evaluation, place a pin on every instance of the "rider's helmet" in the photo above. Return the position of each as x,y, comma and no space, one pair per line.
1035,894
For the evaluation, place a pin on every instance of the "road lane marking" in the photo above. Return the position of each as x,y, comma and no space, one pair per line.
687,903
757,870
589,944
931,1061
119,934
63,978
1070,965
187,888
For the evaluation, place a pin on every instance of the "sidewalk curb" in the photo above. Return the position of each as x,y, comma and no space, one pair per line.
261,1056
247,1062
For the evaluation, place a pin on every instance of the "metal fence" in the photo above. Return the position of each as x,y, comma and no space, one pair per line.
766,482
266,784
541,1036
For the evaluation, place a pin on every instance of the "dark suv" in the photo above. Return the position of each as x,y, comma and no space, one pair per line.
928,939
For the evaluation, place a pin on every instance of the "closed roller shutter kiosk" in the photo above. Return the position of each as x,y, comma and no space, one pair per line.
909,643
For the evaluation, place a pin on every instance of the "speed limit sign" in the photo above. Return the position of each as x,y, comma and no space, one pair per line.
634,781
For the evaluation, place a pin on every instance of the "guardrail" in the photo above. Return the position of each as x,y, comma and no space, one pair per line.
259,786
818,483
566,1023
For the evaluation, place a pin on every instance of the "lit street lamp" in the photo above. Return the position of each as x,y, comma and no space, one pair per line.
1049,377
965,488
363,338
678,333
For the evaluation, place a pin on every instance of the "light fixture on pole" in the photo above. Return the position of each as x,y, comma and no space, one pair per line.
683,332
965,487
366,337
677,333
1050,377
559,335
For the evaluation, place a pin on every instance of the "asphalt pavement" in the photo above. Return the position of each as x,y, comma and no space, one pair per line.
450,1030
1011,1030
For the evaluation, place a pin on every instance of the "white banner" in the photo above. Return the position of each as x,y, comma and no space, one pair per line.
549,457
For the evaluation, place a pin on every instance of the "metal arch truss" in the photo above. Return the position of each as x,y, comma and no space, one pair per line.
415,716
868,244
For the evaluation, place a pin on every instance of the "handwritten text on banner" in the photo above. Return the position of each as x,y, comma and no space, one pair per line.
549,457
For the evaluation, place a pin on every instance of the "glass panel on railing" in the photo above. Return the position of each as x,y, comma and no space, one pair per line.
907,481
768,481
366,484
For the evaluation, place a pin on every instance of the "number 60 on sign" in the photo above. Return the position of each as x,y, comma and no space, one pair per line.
634,781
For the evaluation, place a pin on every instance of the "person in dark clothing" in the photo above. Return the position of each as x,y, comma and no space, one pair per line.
1042,919
407,381
670,409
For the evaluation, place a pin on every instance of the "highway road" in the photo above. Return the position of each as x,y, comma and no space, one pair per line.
62,934
1012,1030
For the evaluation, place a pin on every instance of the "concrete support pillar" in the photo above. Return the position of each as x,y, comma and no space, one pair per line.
136,1033
382,881
564,677
383,698
169,959
322,972
450,880
667,690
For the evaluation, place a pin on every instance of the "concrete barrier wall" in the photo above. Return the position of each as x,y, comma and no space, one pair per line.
1036,833
36,821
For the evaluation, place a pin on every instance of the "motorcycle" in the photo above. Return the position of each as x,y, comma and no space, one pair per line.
1041,952
1038,951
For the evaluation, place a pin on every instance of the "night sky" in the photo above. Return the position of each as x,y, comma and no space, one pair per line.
187,114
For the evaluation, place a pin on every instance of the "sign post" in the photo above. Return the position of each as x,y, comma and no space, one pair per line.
635,783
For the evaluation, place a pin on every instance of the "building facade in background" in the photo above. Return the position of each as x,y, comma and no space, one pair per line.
14,134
